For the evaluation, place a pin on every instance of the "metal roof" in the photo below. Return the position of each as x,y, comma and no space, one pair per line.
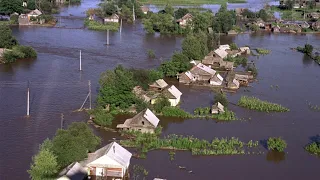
151,117
221,53
175,92
206,68
161,83
189,75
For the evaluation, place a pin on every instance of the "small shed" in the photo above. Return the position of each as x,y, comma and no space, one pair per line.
216,80
212,60
217,108
186,77
173,94
145,121
159,85
113,18
245,50
111,161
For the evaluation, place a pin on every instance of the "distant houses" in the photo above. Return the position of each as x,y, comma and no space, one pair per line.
113,18
145,122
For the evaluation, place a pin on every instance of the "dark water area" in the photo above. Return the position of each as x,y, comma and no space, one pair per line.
57,86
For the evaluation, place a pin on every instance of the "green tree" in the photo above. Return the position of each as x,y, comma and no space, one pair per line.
74,143
201,21
308,49
289,4
222,98
233,46
108,8
161,102
263,15
195,47
224,20
10,6
180,13
126,13
169,9
6,38
44,164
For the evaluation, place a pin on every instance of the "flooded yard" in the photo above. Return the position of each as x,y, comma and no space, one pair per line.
58,87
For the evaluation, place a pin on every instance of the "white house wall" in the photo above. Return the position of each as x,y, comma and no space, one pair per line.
174,102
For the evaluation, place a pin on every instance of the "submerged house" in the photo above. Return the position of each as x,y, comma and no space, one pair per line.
173,94
217,108
202,72
183,22
145,122
113,18
186,77
216,80
227,65
212,59
23,19
234,84
111,161
33,14
159,85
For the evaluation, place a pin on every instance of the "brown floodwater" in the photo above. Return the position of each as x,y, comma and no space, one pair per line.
58,87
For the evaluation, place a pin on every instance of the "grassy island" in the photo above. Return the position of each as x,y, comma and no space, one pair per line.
145,142
259,105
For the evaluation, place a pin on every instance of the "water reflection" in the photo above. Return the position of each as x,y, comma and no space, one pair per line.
306,60
276,156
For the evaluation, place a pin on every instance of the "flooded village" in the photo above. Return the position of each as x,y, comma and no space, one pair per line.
235,101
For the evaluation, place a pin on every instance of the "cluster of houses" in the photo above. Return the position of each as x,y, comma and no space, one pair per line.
300,3
204,74
28,19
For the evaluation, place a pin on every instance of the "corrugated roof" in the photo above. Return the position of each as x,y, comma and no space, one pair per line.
175,92
221,53
206,68
151,117
161,83
113,151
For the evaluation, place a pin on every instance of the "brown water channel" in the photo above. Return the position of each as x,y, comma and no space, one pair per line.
58,87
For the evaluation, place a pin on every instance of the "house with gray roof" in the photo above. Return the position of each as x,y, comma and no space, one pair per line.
145,122
159,85
173,94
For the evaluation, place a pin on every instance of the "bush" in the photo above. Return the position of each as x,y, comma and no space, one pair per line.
313,148
175,112
151,53
277,144
161,102
19,52
28,51
233,46
102,117
259,105
222,98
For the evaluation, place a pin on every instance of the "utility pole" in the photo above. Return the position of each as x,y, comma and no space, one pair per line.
80,61
90,94
28,99
108,37
62,119
120,26
134,16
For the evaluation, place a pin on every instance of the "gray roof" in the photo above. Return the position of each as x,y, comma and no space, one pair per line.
221,53
151,117
77,172
175,92
206,68
159,83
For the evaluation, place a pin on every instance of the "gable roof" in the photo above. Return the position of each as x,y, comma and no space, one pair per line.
221,53
160,83
185,17
174,91
151,117
113,152
206,68
35,12
189,75
144,8
76,172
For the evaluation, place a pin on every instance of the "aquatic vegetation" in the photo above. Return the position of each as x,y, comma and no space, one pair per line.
97,26
262,51
151,53
314,107
218,146
276,144
259,105
172,154
175,112
252,144
313,148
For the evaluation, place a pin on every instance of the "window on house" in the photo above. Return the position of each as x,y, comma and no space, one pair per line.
139,129
142,122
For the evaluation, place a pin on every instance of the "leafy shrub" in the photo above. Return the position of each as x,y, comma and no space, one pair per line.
259,105
161,102
28,51
233,46
276,144
313,148
19,52
237,60
151,53
102,117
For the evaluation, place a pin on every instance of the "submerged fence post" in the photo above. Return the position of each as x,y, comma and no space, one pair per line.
120,26
28,99
108,37
80,61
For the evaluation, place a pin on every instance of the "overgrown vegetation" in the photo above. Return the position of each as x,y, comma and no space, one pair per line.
276,143
67,146
238,60
313,148
98,26
253,70
221,98
102,117
145,142
233,46
151,53
169,111
191,2
308,50
13,51
259,105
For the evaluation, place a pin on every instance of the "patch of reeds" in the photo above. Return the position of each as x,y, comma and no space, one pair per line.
259,105
145,142
313,148
262,51
276,143
151,53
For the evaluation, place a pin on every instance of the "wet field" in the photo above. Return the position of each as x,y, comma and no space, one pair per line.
58,87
